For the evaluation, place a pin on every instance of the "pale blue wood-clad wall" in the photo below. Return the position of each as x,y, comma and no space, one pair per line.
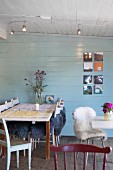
61,57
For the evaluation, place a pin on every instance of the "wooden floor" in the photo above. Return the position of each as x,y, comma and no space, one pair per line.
40,163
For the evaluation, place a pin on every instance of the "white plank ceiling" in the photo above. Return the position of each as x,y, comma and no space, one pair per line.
93,17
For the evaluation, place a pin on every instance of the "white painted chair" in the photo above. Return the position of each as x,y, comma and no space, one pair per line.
9,104
2,107
16,101
14,145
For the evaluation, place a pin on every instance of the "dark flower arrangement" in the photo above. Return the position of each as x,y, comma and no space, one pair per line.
38,87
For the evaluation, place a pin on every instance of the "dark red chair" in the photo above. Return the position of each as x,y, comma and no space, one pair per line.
77,148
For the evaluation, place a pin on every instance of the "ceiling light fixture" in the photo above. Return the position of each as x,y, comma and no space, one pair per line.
79,31
45,17
11,28
12,32
24,27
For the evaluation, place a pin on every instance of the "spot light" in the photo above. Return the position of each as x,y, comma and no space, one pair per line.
24,28
79,31
12,32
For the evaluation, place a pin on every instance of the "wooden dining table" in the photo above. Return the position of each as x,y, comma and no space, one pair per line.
27,112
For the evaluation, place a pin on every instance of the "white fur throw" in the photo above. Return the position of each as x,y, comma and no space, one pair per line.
83,118
82,113
83,123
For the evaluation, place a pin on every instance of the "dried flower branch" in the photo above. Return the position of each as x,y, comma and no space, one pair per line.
39,86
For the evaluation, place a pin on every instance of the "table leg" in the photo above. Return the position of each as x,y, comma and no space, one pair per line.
48,140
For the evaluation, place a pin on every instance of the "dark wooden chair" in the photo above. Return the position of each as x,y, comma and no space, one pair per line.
77,148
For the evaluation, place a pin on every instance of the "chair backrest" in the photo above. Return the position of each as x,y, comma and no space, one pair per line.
74,149
9,104
83,118
57,122
2,107
4,140
15,101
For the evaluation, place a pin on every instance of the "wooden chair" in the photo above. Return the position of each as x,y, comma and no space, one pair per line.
13,145
76,148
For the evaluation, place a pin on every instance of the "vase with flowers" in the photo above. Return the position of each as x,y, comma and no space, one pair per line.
108,110
38,86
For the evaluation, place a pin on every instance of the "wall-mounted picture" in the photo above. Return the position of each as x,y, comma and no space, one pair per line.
87,79
87,90
98,89
87,57
98,56
98,66
98,79
88,66
49,98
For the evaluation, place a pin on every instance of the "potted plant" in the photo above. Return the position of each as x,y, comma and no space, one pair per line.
108,110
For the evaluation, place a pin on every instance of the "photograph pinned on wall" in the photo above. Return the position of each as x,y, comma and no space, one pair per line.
88,66
98,66
98,89
98,56
49,99
87,90
98,79
87,57
87,79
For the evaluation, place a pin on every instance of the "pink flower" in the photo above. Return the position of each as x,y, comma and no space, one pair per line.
107,107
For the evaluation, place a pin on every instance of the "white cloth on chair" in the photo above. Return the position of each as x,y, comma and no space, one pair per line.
83,124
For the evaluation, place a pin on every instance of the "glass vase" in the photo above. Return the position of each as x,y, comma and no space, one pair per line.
108,115
36,97
39,98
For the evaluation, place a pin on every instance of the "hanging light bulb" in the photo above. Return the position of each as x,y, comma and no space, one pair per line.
11,28
24,28
79,31
12,32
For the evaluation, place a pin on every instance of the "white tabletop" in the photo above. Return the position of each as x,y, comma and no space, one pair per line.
99,122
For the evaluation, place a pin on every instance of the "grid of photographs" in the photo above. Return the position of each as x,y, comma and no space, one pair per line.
92,62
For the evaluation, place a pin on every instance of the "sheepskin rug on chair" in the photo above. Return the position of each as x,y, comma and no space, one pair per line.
83,117
83,123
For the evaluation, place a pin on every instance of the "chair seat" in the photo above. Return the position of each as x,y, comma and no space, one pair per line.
17,141
93,133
